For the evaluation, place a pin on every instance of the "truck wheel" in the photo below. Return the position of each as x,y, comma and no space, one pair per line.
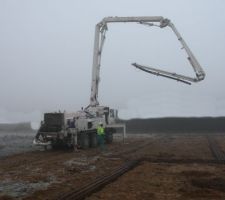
85,142
56,144
109,138
93,140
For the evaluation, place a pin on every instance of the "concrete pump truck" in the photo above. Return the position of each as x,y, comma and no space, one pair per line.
78,129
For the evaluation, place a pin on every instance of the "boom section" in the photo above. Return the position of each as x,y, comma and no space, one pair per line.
158,21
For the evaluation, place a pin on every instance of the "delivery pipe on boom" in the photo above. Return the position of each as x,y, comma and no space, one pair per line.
100,31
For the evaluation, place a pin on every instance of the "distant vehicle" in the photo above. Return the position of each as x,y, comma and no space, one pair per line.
79,129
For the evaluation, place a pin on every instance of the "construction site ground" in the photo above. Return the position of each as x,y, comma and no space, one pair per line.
172,166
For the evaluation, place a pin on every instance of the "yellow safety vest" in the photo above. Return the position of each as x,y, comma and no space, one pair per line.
100,130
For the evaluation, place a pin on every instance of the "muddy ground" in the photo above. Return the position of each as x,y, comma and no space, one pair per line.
39,174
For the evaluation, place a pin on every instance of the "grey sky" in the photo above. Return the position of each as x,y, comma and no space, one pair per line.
46,57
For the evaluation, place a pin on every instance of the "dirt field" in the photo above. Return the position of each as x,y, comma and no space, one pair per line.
192,174
167,181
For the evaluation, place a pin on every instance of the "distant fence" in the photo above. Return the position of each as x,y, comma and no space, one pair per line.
176,125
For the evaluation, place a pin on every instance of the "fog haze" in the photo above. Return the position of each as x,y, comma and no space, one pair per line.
46,51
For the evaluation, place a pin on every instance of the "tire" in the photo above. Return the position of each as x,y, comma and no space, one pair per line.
93,140
83,140
58,144
109,138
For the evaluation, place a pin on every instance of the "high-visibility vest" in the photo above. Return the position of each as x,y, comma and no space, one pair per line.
100,130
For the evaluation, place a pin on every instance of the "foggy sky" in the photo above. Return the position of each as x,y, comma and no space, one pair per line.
46,51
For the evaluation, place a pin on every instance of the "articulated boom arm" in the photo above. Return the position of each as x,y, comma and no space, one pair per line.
100,31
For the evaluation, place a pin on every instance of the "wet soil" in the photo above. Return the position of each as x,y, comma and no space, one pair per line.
50,174
167,181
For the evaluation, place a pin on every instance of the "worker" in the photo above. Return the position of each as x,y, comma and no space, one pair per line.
100,136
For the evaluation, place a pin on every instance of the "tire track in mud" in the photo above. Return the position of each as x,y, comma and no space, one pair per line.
45,158
215,149
31,159
130,152
99,183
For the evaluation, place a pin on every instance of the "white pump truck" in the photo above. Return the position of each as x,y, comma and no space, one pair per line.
78,129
